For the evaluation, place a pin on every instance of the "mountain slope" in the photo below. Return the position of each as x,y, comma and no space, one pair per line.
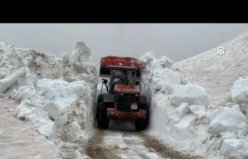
217,72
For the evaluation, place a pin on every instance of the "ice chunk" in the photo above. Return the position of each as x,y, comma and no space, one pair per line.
239,91
198,110
11,80
191,94
235,148
81,53
149,61
47,129
227,119
183,109
53,110
163,62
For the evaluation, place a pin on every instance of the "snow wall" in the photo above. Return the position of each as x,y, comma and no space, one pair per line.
55,93
181,118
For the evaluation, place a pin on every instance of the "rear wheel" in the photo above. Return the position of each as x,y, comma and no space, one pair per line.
102,120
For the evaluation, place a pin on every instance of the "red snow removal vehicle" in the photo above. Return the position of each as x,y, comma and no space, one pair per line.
122,99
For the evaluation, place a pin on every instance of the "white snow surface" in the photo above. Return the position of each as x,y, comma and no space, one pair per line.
55,94
191,94
181,116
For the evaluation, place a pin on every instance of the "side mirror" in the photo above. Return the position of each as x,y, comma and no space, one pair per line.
105,81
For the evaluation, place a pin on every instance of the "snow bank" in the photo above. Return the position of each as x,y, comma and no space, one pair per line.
184,122
191,94
239,91
180,116
61,94
55,94
218,130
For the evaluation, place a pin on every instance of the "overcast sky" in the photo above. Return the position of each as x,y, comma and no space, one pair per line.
177,41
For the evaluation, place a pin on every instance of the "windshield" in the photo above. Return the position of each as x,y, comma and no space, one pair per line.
124,76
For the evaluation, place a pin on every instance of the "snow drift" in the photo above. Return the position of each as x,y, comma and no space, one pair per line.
55,93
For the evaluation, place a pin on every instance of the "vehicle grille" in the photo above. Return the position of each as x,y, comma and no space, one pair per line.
123,102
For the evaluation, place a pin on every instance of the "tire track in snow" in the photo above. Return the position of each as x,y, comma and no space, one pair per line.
136,143
95,148
163,150
125,144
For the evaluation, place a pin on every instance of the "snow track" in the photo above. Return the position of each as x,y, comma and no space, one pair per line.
126,143
96,149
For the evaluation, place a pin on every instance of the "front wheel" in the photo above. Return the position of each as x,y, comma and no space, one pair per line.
102,120
142,124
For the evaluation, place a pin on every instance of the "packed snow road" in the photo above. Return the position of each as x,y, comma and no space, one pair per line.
19,139
122,142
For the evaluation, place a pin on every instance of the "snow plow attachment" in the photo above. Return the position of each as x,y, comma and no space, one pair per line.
109,62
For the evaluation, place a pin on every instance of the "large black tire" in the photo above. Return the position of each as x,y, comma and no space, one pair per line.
142,124
102,120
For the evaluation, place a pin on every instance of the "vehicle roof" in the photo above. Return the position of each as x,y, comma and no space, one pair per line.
120,62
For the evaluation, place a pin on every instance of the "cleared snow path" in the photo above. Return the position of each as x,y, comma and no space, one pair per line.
124,143
119,145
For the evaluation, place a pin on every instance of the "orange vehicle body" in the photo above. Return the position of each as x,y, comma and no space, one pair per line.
114,61
113,113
